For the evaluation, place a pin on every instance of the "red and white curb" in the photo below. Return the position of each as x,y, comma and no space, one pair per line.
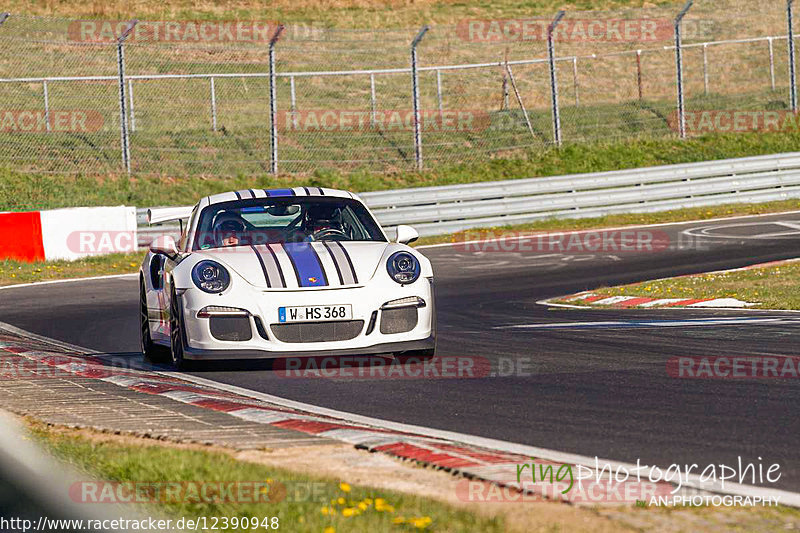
476,458
643,302
628,302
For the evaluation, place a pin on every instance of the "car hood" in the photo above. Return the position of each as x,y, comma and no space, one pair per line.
316,265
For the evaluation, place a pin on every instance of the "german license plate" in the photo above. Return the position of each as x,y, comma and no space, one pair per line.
315,313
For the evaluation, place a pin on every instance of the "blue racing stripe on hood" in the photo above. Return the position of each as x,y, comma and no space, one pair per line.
279,192
307,265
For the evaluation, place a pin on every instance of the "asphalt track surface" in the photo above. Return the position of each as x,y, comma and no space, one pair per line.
594,391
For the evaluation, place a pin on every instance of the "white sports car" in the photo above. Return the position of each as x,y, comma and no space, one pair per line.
279,273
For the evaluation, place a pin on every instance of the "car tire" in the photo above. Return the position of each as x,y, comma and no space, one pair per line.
177,335
151,351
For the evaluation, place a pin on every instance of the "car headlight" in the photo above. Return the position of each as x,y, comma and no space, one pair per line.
211,277
403,268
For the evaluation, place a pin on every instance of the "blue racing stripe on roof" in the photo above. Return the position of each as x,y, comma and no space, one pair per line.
307,264
279,192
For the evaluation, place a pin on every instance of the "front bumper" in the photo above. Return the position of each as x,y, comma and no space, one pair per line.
263,306
387,348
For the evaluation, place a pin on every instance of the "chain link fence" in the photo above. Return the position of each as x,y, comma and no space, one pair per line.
252,98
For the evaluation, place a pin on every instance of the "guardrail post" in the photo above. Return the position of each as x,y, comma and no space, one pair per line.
46,105
213,105
679,68
273,105
792,73
123,119
771,64
554,79
639,73
415,97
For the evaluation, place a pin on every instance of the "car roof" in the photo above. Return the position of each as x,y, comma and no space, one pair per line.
248,194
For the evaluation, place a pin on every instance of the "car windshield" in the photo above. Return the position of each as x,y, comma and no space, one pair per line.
280,220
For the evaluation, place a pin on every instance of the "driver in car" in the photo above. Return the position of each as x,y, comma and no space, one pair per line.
228,230
323,220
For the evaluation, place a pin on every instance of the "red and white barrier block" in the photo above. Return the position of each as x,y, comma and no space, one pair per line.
67,233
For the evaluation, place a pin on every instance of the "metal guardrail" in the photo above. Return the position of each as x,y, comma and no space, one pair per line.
452,208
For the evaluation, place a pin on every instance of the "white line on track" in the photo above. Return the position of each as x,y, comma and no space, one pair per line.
71,280
722,321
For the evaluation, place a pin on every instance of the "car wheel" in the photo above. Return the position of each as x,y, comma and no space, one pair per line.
151,351
176,334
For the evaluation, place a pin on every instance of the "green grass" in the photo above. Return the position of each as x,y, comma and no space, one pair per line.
15,272
379,510
338,13
773,287
27,191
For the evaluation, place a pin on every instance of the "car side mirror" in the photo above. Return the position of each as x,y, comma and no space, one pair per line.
164,245
406,234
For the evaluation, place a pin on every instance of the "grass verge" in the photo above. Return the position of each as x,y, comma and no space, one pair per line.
21,191
772,287
301,502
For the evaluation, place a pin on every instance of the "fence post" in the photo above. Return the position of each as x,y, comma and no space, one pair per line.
771,64
292,93
123,120
553,78
213,105
679,68
273,107
519,100
705,69
792,74
639,73
373,101
46,105
415,96
439,91
575,81
130,103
